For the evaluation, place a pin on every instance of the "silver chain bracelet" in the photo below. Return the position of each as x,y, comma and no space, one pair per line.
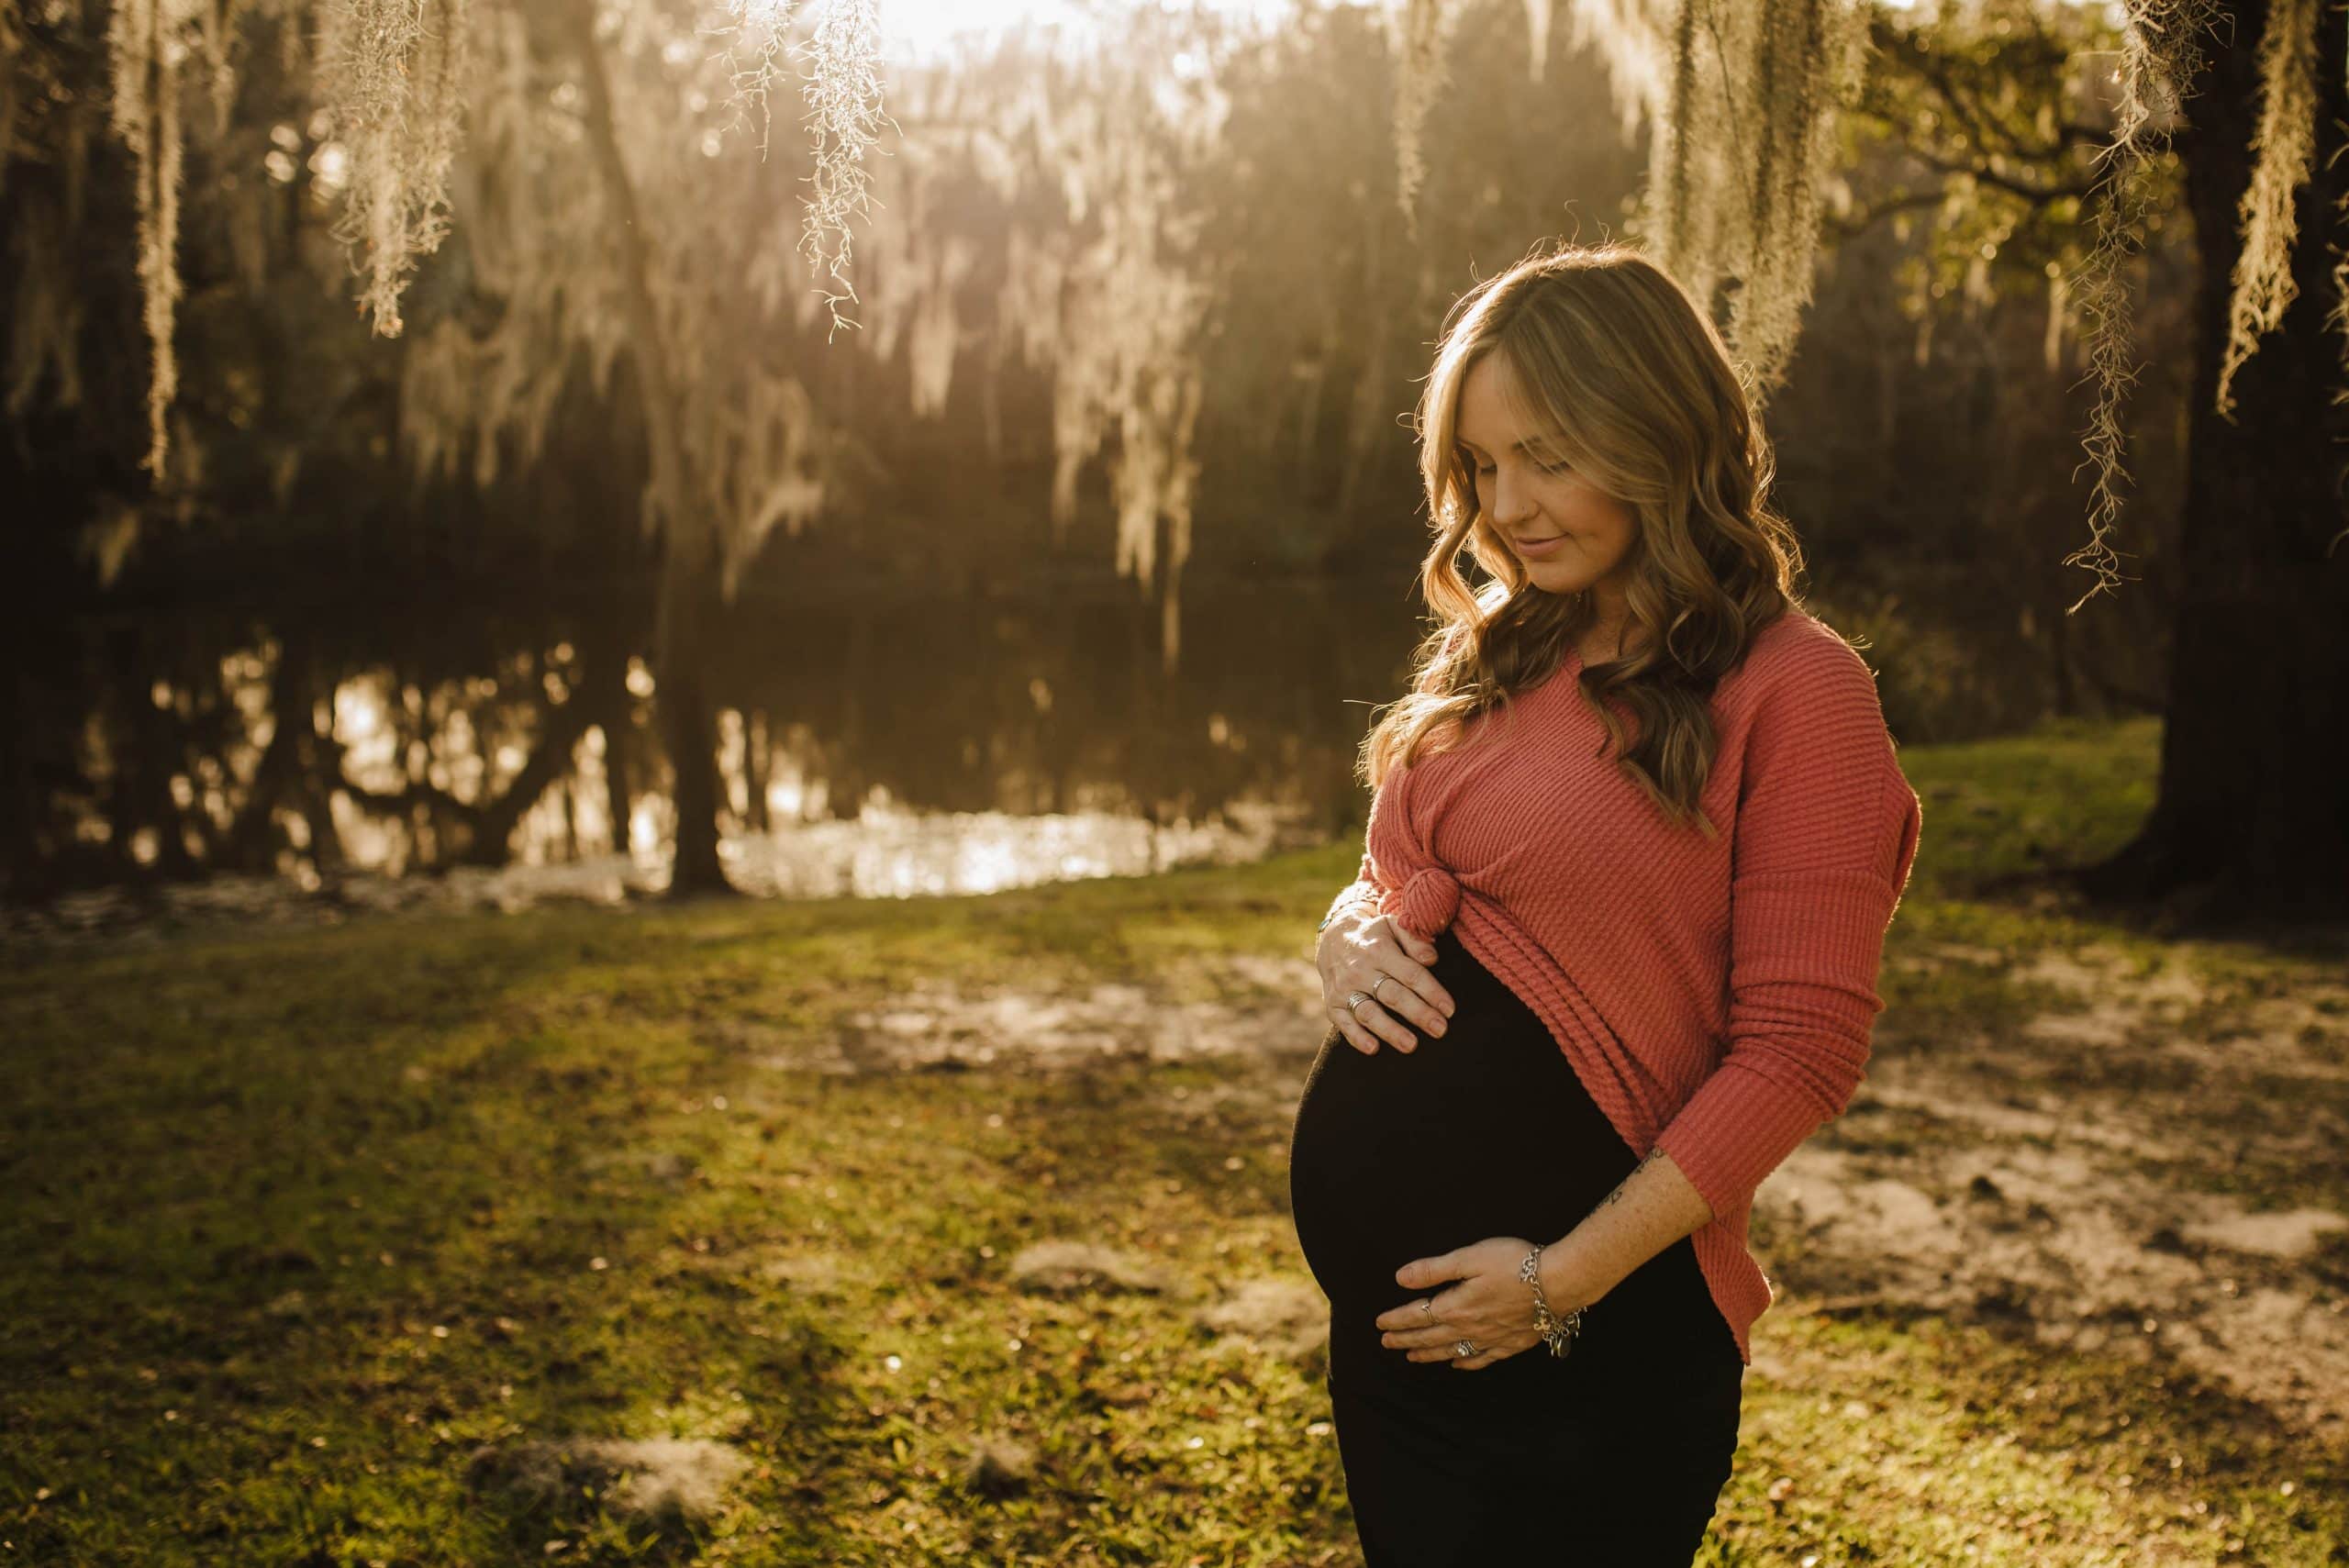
1558,1332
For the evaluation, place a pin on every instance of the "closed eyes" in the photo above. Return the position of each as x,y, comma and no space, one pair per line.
1483,468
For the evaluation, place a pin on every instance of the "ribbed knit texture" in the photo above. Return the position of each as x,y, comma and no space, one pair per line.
1715,996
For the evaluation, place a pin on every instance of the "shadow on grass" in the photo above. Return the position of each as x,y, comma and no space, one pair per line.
299,1224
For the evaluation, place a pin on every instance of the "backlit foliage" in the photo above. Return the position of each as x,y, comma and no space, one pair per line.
393,71
1416,39
149,43
1742,97
2161,50
395,82
1125,355
756,35
843,95
483,389
1082,167
2284,147
1755,87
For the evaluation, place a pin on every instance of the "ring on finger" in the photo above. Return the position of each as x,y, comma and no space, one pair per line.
1355,999
1377,983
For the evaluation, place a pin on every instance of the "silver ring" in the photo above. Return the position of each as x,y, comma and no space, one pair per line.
1428,1307
1377,983
1465,1347
1355,999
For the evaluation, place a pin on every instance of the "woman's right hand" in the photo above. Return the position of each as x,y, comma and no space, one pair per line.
1357,949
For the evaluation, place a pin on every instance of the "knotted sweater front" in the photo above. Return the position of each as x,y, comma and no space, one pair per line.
1715,996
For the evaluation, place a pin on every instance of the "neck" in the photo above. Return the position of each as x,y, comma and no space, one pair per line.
1610,615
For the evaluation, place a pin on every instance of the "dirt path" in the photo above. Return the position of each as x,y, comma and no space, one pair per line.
2069,1174
1959,1181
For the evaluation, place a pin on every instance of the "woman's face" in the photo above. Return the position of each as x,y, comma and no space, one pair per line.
1567,534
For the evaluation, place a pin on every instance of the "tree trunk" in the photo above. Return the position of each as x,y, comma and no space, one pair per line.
23,802
148,752
550,762
688,724
250,843
688,586
755,761
603,674
2251,818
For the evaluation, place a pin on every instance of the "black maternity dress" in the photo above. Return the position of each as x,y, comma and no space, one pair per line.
1612,1456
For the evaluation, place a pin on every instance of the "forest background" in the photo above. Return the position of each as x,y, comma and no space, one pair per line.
869,1230
1136,331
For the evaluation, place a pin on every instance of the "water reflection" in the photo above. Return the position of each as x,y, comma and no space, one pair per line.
885,852
957,746
891,853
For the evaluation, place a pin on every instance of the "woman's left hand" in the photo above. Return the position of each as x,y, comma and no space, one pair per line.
1490,1307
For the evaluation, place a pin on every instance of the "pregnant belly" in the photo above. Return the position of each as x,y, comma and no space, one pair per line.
1482,1131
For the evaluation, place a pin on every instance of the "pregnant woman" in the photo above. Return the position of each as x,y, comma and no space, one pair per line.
1636,833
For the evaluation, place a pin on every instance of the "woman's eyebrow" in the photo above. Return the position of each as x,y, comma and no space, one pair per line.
1526,445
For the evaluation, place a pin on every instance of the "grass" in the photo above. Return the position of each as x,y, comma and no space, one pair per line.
1996,811
298,1222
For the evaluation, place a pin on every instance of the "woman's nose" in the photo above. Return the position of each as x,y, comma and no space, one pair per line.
1511,502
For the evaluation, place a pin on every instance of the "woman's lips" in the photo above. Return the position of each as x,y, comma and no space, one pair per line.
1539,547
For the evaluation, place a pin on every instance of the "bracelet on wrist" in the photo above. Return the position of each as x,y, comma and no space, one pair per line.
1557,1333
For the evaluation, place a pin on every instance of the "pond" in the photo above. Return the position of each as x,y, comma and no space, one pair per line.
960,744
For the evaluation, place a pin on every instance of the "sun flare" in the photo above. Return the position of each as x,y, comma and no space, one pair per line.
918,27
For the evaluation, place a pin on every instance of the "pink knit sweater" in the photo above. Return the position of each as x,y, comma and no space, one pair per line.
1715,996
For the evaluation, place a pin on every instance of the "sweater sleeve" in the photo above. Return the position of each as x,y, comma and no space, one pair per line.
1826,831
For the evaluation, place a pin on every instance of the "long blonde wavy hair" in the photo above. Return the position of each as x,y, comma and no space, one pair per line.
1616,359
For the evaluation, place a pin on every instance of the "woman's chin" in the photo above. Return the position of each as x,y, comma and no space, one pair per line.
1557,577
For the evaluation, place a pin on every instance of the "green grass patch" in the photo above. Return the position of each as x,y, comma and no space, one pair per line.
2066,795
298,1222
